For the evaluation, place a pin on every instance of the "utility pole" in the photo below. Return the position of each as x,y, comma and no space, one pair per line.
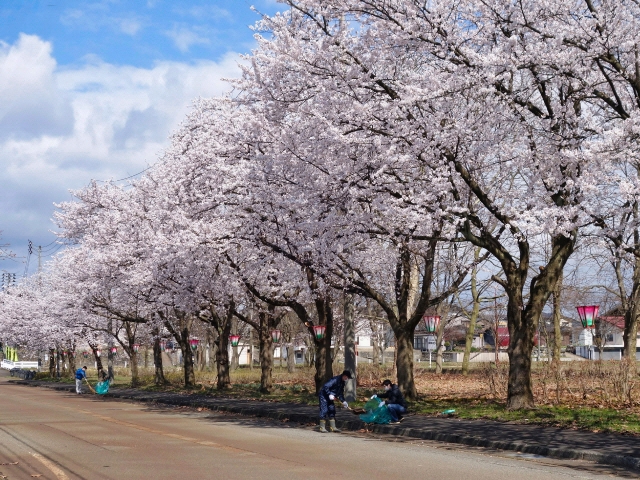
39,258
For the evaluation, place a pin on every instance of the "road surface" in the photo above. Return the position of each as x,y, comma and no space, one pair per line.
52,435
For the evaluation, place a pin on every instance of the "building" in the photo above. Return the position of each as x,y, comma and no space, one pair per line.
607,338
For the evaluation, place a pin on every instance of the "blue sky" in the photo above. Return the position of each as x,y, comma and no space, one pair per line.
134,32
92,90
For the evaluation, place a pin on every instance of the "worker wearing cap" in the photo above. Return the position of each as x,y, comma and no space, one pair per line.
394,401
328,393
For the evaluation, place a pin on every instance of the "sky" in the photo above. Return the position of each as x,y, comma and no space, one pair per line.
92,90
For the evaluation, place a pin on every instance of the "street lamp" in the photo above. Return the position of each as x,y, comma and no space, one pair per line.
588,314
275,336
234,339
431,323
319,331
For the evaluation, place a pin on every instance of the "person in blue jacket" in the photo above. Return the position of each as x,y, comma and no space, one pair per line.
394,401
81,374
331,390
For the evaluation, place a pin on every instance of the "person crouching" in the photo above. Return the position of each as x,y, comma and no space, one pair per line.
328,393
394,401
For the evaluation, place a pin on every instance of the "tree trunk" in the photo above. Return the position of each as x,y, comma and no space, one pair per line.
52,363
157,361
630,333
72,361
404,362
58,360
266,356
135,375
349,348
323,360
222,361
235,356
521,335
98,360
475,311
291,358
557,315
187,360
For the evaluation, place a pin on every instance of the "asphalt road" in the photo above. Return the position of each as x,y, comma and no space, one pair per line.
51,435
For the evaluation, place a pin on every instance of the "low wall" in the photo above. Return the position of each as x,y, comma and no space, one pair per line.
457,357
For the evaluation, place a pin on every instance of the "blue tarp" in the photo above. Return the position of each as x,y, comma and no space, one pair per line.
102,387
375,413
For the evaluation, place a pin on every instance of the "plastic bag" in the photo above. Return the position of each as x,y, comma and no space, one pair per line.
102,387
375,414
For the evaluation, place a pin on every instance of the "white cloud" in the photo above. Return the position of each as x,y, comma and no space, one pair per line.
184,38
32,103
96,16
61,127
130,26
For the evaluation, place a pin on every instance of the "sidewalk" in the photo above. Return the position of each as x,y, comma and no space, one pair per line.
611,449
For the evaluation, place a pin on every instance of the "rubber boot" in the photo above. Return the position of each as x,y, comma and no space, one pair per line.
323,424
332,425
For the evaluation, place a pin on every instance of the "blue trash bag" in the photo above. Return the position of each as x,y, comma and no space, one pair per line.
375,414
102,387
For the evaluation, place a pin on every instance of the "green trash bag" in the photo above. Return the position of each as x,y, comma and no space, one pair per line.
375,414
102,387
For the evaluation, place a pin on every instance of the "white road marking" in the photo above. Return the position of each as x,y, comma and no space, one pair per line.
51,466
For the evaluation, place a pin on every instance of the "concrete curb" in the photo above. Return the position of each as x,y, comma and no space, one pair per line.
355,425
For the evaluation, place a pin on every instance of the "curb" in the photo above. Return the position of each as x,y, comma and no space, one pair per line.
560,453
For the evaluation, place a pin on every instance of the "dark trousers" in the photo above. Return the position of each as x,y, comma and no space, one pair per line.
396,411
327,407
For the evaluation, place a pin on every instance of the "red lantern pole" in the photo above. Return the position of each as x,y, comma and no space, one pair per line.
234,339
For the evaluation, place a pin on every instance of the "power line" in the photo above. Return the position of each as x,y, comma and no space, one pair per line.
44,249
54,251
127,178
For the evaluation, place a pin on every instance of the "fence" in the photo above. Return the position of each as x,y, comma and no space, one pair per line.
8,365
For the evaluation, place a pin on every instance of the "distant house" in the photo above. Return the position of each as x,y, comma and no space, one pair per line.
607,336
503,337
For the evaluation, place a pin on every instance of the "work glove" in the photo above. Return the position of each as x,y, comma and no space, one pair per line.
380,404
345,404
332,397
374,396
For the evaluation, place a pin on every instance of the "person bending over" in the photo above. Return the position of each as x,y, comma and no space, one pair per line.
328,393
